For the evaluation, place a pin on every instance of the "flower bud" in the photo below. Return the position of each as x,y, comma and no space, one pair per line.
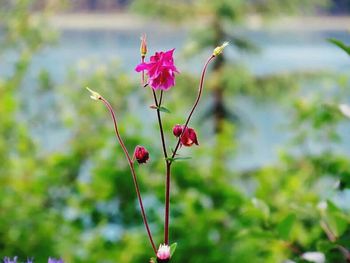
94,95
143,46
218,50
177,130
141,154
163,254
189,137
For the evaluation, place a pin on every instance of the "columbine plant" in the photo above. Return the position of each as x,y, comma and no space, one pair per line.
160,73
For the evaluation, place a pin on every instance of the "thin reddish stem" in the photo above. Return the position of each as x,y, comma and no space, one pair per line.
167,182
167,203
132,169
143,72
169,162
158,104
200,89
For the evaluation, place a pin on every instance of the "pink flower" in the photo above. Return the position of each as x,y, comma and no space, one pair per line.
163,253
177,130
160,70
189,137
141,154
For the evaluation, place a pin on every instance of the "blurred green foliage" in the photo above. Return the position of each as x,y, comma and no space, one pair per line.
78,202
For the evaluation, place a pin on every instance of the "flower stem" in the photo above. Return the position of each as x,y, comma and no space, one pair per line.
143,73
132,169
167,182
158,104
168,166
167,203
200,89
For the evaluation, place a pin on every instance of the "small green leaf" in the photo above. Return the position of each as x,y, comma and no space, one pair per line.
163,109
182,158
178,159
172,248
153,260
336,219
340,44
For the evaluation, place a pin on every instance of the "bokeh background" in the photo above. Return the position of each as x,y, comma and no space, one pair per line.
269,181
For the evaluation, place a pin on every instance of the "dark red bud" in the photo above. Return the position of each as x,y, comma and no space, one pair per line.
177,130
141,154
189,137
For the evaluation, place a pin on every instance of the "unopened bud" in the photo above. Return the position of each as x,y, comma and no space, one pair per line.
141,154
94,95
177,130
189,137
163,254
218,50
143,46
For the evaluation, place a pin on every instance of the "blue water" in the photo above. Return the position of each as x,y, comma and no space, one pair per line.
280,52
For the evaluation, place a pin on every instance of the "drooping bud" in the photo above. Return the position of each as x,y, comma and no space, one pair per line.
163,254
218,50
189,137
143,46
141,154
177,130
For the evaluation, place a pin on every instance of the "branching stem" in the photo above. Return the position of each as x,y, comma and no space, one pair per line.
132,169
169,162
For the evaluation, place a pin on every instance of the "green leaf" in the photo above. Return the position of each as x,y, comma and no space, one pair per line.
340,44
284,228
262,207
163,109
325,246
336,219
182,158
153,260
178,159
172,248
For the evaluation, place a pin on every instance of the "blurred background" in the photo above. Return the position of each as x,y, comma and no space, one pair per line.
268,183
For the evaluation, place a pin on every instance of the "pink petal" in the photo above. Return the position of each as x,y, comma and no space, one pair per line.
141,67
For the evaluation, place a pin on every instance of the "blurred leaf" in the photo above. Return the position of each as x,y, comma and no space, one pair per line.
340,44
337,220
163,109
172,248
262,207
284,228
325,246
